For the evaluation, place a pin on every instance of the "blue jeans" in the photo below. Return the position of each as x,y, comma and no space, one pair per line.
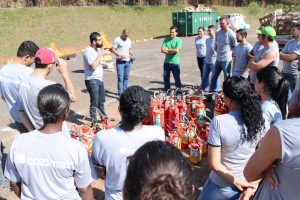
200,62
96,90
220,65
292,79
175,69
123,69
212,191
207,68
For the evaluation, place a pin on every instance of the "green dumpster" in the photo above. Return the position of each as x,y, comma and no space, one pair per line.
189,22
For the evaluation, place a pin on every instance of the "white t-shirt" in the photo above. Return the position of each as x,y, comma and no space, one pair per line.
11,76
226,131
49,166
112,148
271,113
122,47
89,56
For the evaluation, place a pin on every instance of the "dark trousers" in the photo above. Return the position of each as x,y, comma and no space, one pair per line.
21,128
96,90
200,62
175,69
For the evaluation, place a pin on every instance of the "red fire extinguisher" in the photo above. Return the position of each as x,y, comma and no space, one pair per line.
153,105
200,107
171,122
158,117
182,110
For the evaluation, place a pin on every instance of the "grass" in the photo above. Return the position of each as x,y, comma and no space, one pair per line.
71,26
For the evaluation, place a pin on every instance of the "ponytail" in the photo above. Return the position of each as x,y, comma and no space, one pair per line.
280,95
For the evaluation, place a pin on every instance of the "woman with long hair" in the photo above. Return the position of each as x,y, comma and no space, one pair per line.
232,140
273,90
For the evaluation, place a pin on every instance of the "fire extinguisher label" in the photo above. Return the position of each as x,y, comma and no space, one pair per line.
201,113
194,106
156,119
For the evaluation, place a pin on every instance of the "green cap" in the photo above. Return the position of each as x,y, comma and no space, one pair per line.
267,31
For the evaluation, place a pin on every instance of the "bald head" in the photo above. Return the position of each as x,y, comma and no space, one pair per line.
125,33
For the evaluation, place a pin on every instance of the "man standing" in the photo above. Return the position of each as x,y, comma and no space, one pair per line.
268,55
171,47
122,49
11,76
45,61
225,43
210,59
240,54
289,55
93,71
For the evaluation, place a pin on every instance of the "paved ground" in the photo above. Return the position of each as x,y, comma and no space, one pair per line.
146,72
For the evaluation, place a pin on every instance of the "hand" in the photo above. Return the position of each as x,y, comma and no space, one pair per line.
241,185
246,194
62,67
271,177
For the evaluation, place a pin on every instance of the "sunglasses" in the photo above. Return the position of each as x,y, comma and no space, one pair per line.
56,63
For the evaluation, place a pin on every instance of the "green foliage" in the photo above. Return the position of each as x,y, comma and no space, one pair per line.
253,8
270,8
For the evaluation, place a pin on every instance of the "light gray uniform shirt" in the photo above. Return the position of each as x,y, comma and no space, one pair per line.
200,44
226,131
241,58
211,54
11,76
292,46
89,56
271,113
288,167
122,47
225,42
49,166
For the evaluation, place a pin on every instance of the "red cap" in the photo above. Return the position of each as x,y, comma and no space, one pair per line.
45,56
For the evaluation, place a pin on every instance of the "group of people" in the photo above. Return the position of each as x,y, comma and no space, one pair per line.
253,149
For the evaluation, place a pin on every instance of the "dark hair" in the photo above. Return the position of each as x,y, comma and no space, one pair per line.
94,36
242,32
53,101
224,18
238,89
175,28
297,26
158,171
270,39
275,86
134,105
27,48
201,28
38,64
210,27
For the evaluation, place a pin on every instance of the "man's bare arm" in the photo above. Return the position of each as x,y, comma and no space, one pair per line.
16,188
86,193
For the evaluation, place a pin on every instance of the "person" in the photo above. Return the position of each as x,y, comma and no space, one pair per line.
44,164
171,48
289,56
266,56
200,44
254,52
158,170
210,60
273,90
225,43
294,102
112,148
93,71
11,76
121,47
279,152
4,183
45,61
232,140
240,54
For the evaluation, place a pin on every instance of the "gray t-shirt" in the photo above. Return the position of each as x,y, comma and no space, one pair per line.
295,99
271,113
241,58
292,46
112,148
225,42
27,102
211,54
288,167
122,47
226,131
49,166
200,46
89,56
11,76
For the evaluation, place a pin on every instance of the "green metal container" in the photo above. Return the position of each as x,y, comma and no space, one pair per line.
189,22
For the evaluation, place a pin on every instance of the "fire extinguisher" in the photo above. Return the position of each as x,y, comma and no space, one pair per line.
184,140
204,139
158,117
153,105
195,153
171,122
200,107
182,110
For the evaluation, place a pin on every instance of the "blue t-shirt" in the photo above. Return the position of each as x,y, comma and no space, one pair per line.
225,42
292,46
241,59
11,76
211,54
